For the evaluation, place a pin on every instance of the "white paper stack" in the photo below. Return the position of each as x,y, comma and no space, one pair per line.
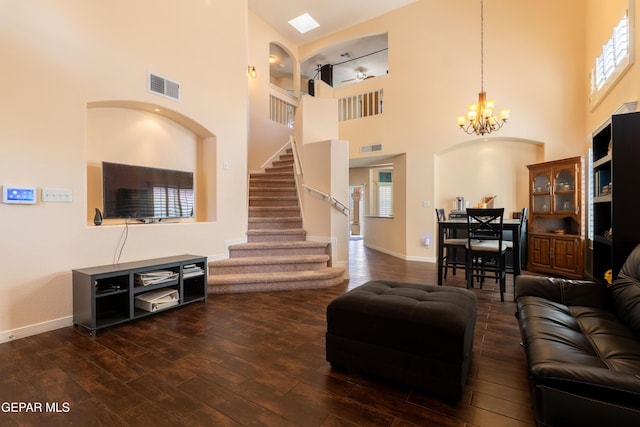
153,277
190,270
158,300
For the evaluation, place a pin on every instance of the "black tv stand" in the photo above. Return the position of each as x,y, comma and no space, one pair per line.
108,295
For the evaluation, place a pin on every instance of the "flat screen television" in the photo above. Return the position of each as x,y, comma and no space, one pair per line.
146,193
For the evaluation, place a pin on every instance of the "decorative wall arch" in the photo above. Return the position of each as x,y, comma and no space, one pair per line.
484,167
283,71
151,124
188,123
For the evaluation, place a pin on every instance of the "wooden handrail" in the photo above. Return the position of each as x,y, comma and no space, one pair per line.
334,202
296,156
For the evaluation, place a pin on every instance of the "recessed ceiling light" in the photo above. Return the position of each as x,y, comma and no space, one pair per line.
304,23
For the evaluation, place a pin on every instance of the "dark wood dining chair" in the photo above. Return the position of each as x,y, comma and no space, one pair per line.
485,250
454,249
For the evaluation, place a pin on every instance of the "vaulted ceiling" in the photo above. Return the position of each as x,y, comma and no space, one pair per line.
353,60
332,15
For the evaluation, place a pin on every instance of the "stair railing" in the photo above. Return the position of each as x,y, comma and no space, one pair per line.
299,174
276,155
334,202
298,171
296,156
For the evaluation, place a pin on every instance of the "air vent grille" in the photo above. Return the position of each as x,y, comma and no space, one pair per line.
370,148
165,87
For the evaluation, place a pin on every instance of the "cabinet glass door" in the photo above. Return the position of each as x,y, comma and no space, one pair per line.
541,194
564,191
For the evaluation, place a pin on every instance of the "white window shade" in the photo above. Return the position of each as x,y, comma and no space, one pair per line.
385,199
615,59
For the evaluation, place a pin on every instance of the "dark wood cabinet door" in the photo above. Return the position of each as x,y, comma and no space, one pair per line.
566,255
540,251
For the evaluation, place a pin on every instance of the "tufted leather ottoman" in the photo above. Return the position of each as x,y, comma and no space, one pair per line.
419,335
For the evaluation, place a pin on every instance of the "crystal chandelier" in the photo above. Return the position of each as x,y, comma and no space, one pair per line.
480,118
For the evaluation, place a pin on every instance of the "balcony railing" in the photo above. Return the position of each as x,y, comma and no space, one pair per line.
361,105
281,111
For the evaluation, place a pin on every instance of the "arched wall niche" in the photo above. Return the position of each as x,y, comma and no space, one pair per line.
147,134
486,167
282,68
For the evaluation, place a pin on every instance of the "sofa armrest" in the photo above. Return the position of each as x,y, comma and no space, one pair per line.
563,291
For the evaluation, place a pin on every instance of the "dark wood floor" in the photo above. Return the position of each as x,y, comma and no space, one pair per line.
255,359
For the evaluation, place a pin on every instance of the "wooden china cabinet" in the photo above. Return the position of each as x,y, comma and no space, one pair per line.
556,218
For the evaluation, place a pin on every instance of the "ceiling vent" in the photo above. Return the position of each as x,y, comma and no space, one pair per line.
370,148
161,86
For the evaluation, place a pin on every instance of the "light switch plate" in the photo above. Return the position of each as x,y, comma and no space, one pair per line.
59,195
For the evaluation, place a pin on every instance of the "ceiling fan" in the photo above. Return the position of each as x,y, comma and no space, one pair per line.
360,75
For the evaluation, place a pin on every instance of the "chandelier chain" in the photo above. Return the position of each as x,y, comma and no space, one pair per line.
480,119
481,45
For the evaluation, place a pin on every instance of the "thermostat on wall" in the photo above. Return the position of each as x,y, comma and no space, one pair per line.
18,194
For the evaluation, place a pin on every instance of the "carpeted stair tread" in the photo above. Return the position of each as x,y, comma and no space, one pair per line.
280,245
275,219
274,277
275,234
292,285
273,211
279,169
274,184
260,223
274,198
272,176
269,201
264,264
266,260
277,231
270,208
259,191
283,163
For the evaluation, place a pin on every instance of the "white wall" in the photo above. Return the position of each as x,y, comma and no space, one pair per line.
482,169
266,137
57,59
533,65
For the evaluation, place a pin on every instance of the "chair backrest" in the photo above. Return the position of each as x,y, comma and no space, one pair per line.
523,221
523,215
485,224
440,214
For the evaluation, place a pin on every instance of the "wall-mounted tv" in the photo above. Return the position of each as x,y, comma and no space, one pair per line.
146,193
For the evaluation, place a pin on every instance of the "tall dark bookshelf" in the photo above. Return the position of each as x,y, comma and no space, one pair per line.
616,181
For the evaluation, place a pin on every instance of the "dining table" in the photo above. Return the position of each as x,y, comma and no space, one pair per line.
513,230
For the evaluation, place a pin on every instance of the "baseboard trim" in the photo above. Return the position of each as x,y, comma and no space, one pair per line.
421,259
35,329
385,251
399,255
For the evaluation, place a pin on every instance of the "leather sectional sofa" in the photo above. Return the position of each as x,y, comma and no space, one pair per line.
582,345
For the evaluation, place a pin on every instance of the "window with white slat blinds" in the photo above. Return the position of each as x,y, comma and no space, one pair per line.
385,199
615,58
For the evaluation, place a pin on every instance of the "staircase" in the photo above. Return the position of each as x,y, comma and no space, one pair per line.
276,256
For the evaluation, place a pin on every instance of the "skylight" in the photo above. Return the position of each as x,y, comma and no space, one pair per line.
304,23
